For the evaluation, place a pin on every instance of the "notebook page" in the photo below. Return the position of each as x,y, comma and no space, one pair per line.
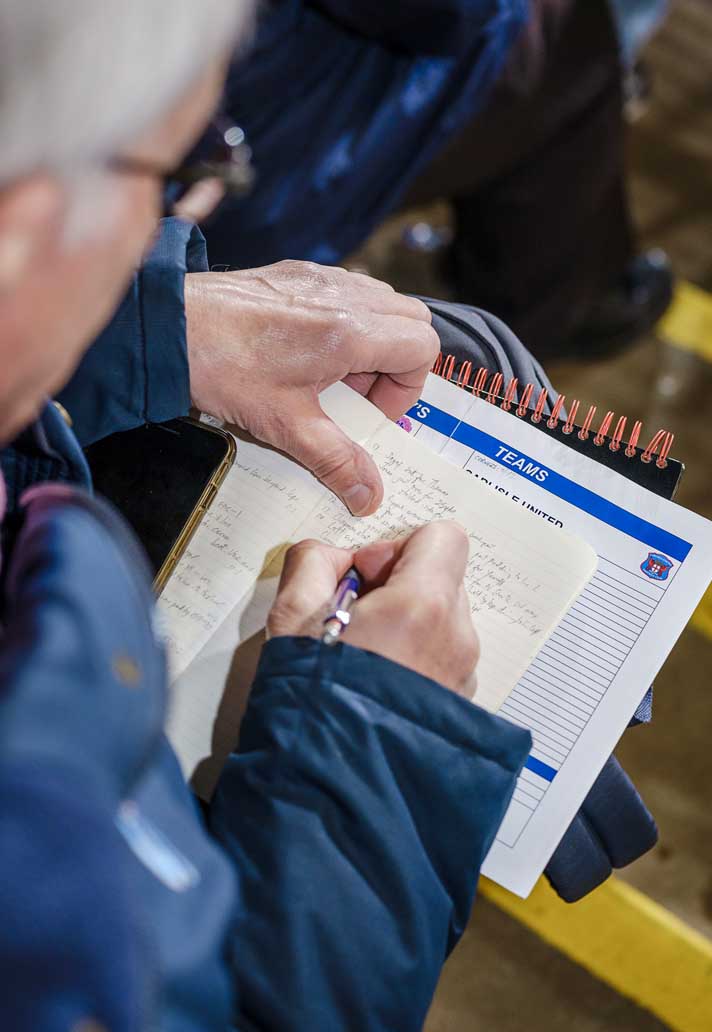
261,502
220,593
209,697
522,574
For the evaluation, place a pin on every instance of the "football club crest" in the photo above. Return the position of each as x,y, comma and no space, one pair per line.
656,566
405,423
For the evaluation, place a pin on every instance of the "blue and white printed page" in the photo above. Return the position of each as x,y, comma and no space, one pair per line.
579,693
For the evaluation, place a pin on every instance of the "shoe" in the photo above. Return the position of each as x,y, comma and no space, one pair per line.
627,311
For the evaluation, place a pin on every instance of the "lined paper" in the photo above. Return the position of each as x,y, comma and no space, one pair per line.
263,499
522,575
261,502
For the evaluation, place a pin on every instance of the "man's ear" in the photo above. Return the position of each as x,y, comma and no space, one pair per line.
31,215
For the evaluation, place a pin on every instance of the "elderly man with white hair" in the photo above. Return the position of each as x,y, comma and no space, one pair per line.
349,825
351,821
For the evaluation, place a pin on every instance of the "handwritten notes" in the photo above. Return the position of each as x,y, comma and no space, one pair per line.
263,499
521,575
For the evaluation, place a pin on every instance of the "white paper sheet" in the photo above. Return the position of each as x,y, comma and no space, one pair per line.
521,575
580,692
263,499
521,578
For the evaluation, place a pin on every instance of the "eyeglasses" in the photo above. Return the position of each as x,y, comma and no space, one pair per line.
222,153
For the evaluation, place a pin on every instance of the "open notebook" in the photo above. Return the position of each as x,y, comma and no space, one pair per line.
523,574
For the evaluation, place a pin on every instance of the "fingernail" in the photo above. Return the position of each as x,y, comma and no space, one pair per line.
358,499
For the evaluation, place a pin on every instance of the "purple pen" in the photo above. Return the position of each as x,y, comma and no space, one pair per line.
345,596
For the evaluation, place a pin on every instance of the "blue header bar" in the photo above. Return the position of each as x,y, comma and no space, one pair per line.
542,769
556,484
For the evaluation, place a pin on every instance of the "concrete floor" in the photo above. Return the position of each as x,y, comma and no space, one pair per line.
501,977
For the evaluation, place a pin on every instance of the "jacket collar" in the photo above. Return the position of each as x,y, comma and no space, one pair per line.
45,450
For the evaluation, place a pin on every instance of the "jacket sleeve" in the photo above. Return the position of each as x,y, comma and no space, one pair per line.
357,809
417,26
137,369
72,739
115,904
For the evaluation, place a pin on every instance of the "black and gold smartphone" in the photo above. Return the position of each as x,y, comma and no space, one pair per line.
162,477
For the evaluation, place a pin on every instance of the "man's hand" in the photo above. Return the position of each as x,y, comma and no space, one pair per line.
414,609
263,343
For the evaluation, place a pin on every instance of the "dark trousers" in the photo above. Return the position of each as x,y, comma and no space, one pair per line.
538,179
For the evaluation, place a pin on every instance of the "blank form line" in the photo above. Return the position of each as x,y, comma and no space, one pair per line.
586,662
600,628
544,748
606,596
554,715
614,613
552,705
557,672
532,783
621,609
522,791
601,645
562,657
613,588
563,736
552,698
606,616
584,647
555,739
521,802
660,588
534,684
536,791
628,587
556,680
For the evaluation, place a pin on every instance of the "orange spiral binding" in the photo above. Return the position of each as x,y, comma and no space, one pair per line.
519,402
570,424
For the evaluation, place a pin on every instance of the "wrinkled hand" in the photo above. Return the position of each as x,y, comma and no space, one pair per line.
264,342
413,610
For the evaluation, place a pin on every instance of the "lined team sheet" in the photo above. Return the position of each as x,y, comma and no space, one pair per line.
579,693
521,575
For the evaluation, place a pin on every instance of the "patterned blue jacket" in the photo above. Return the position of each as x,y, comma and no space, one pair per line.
344,102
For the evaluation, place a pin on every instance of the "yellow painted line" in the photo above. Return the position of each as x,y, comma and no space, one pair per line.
688,322
628,941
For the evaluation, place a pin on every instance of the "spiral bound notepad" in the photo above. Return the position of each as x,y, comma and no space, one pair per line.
521,577
577,669
654,564
606,442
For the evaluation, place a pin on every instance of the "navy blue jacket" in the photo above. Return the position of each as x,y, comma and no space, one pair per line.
344,102
348,827
345,836
138,370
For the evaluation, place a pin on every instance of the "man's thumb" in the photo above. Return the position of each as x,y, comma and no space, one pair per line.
339,463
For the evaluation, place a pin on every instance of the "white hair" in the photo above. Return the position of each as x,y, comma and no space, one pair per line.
79,78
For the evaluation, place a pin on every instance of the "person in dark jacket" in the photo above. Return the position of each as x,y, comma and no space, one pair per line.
512,109
118,909
345,844
177,319
138,369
